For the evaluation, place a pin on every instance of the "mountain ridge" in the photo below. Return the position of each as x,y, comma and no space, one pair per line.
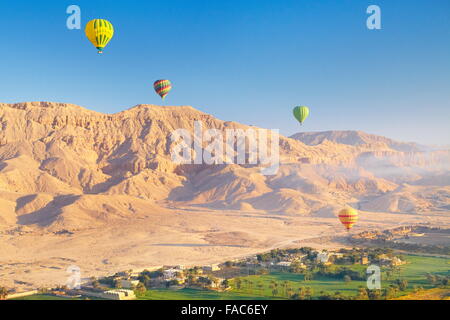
70,165
356,137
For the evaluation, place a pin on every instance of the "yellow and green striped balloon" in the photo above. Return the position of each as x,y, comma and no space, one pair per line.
301,113
99,32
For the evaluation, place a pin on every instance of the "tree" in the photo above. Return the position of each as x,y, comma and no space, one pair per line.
140,288
250,285
238,283
260,287
301,292
432,279
294,297
95,283
146,280
402,284
3,293
389,274
308,276
285,285
374,294
274,292
309,293
390,292
362,294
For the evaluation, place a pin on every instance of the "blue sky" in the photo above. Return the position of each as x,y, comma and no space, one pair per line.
249,61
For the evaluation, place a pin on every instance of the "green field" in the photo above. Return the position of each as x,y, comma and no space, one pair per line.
418,266
415,272
194,294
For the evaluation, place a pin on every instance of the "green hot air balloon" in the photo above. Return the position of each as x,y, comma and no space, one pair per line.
301,113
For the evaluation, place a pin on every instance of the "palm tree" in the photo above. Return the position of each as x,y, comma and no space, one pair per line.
301,293
362,293
238,283
290,292
274,292
309,292
260,287
250,285
285,286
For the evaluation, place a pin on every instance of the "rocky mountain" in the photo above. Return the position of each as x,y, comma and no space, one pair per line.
66,167
356,138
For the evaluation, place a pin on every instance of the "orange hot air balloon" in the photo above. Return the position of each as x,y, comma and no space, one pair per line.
348,217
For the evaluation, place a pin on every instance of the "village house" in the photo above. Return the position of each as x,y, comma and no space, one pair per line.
217,283
118,294
301,265
364,260
129,283
384,260
336,255
322,257
301,257
171,274
266,264
285,264
115,294
211,268
397,261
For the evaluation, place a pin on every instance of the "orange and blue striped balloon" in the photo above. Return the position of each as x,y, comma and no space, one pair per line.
348,217
162,87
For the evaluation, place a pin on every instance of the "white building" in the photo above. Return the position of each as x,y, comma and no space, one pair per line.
284,264
170,274
119,294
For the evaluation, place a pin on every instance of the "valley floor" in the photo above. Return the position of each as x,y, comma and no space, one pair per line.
39,258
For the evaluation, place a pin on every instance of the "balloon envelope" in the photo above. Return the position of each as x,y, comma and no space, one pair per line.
301,113
99,32
162,87
348,217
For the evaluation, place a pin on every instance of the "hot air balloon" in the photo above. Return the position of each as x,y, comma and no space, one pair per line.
301,113
99,32
162,87
348,217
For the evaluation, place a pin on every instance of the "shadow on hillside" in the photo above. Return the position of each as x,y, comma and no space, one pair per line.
48,214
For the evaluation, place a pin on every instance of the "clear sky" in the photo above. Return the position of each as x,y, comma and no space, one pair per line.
249,61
